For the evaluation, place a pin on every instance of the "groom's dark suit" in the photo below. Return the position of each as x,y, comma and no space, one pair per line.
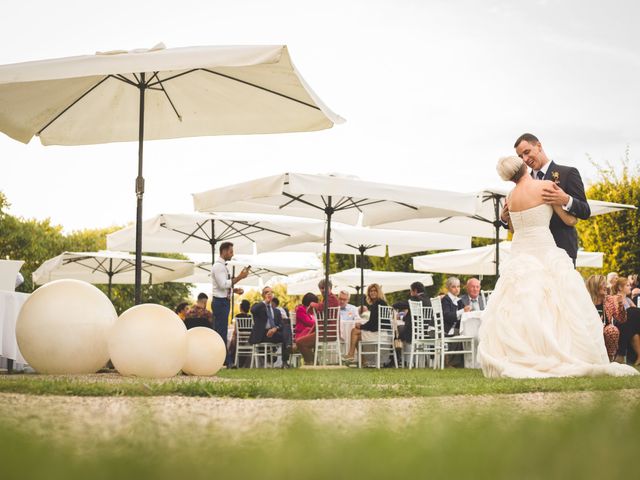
568,179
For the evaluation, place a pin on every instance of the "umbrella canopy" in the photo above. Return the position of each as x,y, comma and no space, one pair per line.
264,266
201,232
482,260
156,94
348,239
485,222
338,197
349,280
109,268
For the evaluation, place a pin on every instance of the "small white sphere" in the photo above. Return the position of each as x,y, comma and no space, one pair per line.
148,340
63,327
205,352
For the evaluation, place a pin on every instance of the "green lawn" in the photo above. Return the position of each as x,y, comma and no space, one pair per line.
307,384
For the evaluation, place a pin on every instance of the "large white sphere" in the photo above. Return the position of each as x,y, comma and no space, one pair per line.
148,340
205,352
63,327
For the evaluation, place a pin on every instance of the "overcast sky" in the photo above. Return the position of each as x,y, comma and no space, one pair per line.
433,93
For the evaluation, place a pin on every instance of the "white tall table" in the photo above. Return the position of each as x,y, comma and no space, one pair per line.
10,305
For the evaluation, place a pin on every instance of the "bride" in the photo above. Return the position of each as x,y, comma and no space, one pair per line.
540,321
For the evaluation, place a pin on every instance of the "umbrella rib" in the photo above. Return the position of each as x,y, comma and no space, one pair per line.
73,103
153,84
124,79
262,88
265,229
155,75
298,199
188,235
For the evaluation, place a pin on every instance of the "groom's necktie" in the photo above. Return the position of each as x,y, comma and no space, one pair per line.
540,175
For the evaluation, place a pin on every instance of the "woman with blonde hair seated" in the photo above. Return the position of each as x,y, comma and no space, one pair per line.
367,331
618,306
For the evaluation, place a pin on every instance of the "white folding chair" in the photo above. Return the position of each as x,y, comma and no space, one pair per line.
485,296
332,344
443,342
384,341
243,332
421,342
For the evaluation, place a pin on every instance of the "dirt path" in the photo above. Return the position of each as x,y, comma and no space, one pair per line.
93,419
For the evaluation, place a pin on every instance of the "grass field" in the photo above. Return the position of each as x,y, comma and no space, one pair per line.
308,384
318,424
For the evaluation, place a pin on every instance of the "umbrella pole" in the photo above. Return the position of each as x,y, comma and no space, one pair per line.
329,212
361,293
110,273
496,205
139,195
212,241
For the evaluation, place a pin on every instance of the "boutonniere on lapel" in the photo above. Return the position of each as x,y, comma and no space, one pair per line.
556,177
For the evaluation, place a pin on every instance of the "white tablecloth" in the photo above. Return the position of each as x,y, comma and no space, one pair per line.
470,326
10,305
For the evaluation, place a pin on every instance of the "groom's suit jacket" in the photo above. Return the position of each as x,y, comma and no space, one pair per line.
568,178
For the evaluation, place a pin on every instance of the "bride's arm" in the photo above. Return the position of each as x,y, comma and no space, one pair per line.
565,216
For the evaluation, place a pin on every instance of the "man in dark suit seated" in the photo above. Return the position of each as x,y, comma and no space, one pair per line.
268,325
417,294
473,297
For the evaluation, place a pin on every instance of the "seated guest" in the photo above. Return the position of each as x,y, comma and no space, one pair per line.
635,289
367,331
199,310
333,300
597,288
305,327
181,310
473,297
268,325
452,307
245,361
283,311
612,277
416,294
617,306
347,311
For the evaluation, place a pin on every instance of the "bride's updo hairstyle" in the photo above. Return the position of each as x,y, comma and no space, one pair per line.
511,169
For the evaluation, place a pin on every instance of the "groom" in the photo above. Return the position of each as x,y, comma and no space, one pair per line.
567,190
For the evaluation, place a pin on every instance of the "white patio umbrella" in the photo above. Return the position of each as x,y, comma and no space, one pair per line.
349,280
334,197
485,223
201,232
482,260
105,267
348,239
158,93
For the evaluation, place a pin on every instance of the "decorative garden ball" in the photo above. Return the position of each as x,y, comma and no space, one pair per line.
205,352
148,340
64,327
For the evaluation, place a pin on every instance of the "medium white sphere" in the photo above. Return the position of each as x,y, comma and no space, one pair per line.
148,340
205,352
63,327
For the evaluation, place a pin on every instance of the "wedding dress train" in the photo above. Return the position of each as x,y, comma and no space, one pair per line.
540,321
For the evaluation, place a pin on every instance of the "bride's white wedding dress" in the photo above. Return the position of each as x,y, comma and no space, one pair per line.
540,321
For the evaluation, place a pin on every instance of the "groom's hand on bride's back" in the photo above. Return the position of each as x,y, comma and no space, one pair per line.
552,194
504,215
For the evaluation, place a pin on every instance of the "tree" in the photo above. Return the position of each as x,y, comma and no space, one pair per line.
616,234
35,241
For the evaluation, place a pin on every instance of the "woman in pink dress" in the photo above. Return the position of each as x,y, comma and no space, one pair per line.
305,335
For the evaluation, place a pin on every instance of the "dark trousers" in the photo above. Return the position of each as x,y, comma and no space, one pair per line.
627,330
278,337
220,307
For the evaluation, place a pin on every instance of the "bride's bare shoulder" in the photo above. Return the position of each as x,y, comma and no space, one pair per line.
523,198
